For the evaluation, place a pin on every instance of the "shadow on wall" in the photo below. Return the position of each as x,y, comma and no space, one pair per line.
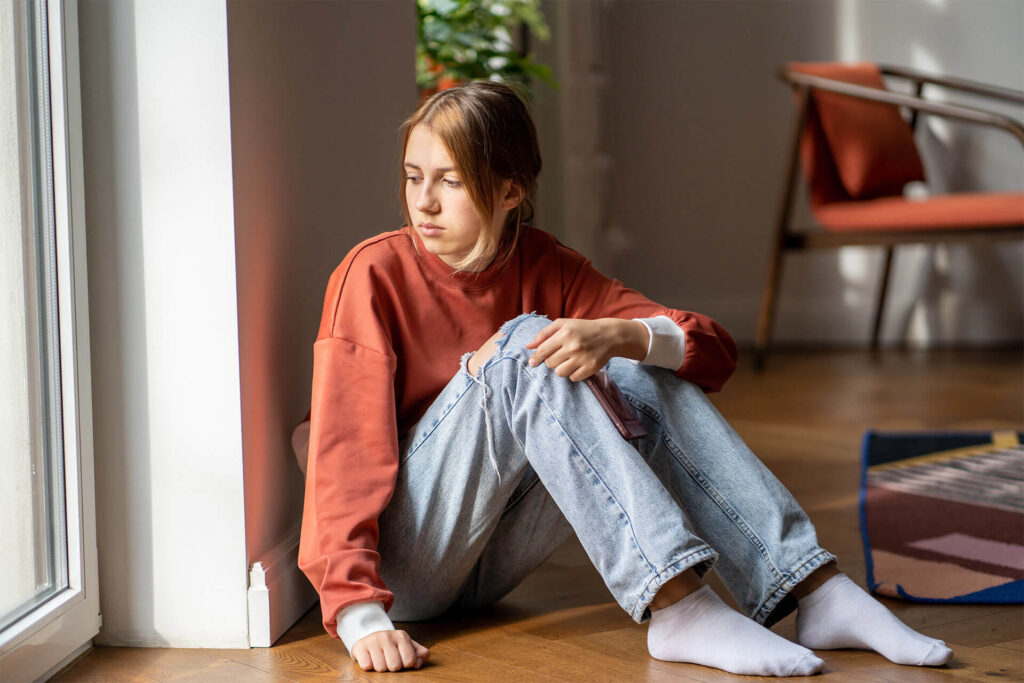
315,165
116,261
943,294
698,131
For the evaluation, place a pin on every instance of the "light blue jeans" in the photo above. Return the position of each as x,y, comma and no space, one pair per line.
504,466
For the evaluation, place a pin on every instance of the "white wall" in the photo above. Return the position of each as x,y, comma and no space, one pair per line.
168,437
318,91
212,232
698,129
970,294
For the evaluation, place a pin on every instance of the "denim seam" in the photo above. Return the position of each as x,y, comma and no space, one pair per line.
583,457
785,583
719,500
649,412
643,407
433,427
691,559
818,557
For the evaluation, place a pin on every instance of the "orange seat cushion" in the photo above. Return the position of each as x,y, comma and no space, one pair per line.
942,212
872,146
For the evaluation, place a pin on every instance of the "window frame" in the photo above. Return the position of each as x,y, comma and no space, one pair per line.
43,641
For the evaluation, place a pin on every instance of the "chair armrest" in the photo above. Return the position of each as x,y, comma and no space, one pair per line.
954,111
962,84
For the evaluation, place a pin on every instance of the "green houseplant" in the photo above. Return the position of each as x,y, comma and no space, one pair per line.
464,40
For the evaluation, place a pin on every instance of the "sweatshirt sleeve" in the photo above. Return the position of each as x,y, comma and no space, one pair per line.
352,461
709,353
666,343
350,474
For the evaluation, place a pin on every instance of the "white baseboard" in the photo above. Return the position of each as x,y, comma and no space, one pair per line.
279,593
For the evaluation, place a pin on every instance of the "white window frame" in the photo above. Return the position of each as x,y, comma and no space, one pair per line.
41,643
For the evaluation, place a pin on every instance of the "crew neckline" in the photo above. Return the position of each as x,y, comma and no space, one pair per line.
447,276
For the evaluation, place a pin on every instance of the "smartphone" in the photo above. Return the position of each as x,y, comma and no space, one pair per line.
622,414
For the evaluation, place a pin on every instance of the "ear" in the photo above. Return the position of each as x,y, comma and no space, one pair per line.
511,194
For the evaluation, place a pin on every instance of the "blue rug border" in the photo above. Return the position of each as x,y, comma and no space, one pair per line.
1007,593
862,508
916,444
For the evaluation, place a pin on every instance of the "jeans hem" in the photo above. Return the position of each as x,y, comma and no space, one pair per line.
701,560
780,603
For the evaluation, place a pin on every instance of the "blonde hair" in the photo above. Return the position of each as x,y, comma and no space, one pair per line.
490,137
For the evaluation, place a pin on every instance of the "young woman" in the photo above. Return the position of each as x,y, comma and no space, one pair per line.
453,445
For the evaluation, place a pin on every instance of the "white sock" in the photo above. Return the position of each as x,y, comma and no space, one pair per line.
841,614
701,629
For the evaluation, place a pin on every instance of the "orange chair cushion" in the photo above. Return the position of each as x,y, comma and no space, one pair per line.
872,146
942,212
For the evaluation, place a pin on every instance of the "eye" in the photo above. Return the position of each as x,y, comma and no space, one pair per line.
453,183
412,178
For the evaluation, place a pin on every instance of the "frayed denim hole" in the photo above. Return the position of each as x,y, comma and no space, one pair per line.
482,370
505,331
464,363
508,328
486,393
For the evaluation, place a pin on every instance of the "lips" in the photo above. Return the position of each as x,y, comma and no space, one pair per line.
429,229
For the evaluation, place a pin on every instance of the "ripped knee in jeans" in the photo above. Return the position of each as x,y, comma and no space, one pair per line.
472,362
484,353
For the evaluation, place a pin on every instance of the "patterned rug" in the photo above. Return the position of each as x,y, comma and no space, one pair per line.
942,516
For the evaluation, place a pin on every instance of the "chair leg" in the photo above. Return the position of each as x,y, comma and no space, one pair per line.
769,297
880,308
771,287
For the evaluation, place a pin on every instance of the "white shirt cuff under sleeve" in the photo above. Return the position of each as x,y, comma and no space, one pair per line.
667,346
362,619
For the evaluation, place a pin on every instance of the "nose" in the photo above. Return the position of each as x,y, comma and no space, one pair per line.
426,201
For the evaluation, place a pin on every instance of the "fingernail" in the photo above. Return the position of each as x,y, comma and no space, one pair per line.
532,362
419,662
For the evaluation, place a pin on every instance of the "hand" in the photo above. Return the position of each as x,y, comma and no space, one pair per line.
577,348
389,651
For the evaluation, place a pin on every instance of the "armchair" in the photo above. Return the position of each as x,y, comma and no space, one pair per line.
858,153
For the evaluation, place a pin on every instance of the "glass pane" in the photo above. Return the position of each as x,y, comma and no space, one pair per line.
33,524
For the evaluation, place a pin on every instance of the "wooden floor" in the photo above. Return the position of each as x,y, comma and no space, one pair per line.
805,417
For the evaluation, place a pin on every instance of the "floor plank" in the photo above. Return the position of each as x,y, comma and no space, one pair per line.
805,417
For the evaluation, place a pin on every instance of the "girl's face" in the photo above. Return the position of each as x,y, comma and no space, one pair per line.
441,210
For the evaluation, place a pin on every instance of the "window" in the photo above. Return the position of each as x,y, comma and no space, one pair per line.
48,582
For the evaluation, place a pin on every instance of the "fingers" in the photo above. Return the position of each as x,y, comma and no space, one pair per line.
562,339
379,661
567,367
572,363
573,348
581,373
362,657
552,356
545,333
389,651
392,656
407,652
554,351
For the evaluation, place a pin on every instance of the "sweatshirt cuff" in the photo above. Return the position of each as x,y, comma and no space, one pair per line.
362,619
667,345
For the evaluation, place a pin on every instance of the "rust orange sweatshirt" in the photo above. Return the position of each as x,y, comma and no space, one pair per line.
394,326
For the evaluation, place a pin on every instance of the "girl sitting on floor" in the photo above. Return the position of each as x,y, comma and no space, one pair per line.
454,445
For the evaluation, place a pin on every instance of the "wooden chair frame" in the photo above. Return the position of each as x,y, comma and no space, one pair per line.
788,239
